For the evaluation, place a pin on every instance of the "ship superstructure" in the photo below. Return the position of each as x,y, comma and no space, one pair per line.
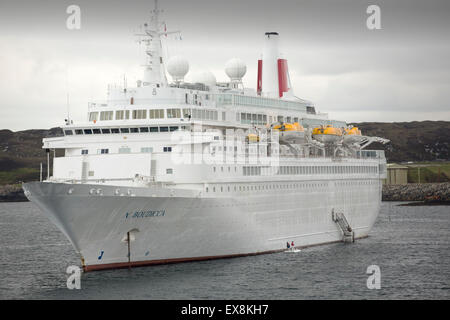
175,171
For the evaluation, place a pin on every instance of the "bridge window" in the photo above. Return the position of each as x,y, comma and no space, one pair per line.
173,113
147,150
154,129
93,116
68,132
134,130
143,129
115,130
163,129
87,131
186,113
106,131
124,130
96,131
124,149
106,115
139,114
156,113
122,114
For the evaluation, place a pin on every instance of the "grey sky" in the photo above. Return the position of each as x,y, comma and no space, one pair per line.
398,73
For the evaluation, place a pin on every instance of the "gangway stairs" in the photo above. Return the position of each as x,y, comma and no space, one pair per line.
347,231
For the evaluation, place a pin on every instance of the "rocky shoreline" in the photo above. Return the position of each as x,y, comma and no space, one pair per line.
12,193
431,193
428,193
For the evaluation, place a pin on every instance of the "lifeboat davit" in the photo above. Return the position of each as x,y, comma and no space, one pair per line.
352,135
327,134
292,133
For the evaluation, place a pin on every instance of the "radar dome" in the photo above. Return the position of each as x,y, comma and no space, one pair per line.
235,69
205,77
177,67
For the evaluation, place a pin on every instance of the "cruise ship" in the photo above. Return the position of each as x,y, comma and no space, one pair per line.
171,171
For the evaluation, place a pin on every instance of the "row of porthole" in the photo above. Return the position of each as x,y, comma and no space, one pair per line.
267,187
99,192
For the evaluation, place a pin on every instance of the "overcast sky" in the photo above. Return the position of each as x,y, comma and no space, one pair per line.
398,73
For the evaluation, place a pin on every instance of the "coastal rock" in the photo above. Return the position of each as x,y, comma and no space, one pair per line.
417,192
12,193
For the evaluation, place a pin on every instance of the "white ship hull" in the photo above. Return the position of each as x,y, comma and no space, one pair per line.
181,225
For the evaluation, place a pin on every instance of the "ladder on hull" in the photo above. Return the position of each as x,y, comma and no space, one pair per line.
347,231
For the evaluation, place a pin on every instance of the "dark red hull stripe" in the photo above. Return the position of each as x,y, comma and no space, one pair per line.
133,264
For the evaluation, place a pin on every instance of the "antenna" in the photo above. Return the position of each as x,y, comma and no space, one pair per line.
67,96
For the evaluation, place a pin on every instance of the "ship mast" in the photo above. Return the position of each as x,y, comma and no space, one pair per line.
154,70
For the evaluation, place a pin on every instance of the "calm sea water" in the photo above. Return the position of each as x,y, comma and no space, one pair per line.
409,244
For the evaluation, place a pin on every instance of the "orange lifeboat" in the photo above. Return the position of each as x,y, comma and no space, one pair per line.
352,135
327,134
292,133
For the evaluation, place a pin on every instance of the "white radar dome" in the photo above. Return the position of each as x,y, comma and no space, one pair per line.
235,69
177,67
205,77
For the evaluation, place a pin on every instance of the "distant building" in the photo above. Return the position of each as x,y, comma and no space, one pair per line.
396,174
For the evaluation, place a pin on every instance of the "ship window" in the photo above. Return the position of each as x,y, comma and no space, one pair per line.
124,149
186,113
288,119
154,129
93,116
104,151
147,150
163,129
120,114
106,115
139,114
156,113
134,130
295,119
167,149
173,113
78,131
68,132
124,130
84,151
96,131
169,170
173,129
115,130
87,131
106,131
143,129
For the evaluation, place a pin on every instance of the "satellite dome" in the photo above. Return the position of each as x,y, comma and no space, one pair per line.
235,69
205,77
177,67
